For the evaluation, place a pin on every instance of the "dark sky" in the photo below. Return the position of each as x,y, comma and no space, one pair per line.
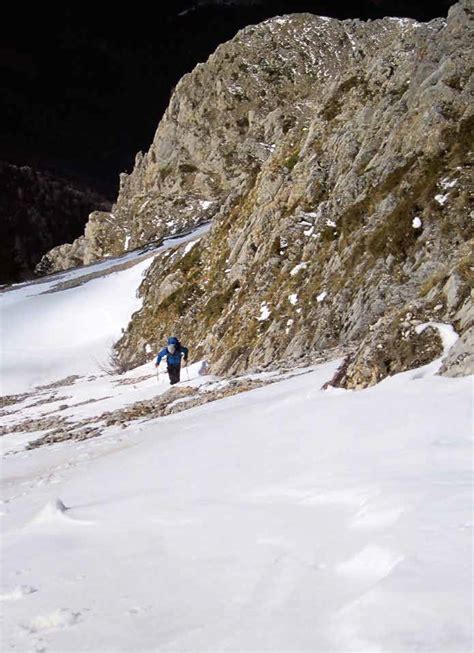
82,91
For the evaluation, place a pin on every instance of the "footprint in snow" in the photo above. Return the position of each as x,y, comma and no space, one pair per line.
56,512
60,619
135,611
18,593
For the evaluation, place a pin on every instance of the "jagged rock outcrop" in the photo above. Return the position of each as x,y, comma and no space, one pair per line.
460,360
393,346
335,160
94,244
38,211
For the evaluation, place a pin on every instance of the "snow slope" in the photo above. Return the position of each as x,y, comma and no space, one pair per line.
286,518
49,330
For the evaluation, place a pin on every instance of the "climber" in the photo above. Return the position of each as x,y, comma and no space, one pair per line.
173,352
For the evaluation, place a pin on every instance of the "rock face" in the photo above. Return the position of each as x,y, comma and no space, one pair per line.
460,360
393,346
334,159
38,211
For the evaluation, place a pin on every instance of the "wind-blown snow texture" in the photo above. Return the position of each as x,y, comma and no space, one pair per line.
287,518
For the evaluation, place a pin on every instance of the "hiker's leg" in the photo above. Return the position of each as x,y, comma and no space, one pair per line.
174,373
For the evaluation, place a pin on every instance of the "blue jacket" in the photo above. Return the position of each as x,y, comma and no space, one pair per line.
173,359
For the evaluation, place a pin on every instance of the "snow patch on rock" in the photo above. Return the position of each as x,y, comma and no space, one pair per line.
264,312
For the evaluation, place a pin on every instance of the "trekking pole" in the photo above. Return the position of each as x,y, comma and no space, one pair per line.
187,371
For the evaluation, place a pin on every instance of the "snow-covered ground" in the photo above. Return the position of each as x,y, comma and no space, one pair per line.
287,518
47,334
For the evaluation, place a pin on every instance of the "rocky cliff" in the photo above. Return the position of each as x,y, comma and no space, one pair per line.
38,211
334,159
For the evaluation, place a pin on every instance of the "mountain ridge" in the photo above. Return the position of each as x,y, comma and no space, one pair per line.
334,159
